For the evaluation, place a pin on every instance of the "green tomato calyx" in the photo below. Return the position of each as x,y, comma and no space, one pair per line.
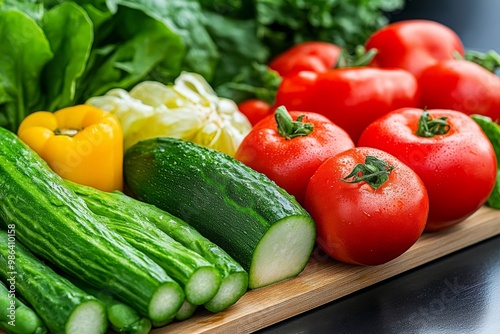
430,127
374,172
289,128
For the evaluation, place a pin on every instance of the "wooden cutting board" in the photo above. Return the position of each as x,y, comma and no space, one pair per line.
324,280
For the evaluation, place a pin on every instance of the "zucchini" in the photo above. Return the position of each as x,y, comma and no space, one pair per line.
62,306
54,223
258,223
16,317
119,206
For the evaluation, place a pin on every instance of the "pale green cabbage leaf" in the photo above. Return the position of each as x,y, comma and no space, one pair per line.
188,109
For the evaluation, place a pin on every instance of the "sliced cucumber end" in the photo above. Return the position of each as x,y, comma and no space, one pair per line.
283,251
202,286
232,288
186,311
165,303
88,318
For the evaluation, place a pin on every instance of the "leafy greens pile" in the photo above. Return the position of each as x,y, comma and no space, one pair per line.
58,53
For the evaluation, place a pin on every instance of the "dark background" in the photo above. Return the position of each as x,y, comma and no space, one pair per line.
459,293
475,21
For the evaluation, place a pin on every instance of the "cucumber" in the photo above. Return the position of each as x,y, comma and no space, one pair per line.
121,317
62,306
16,317
54,223
119,206
186,311
198,277
256,222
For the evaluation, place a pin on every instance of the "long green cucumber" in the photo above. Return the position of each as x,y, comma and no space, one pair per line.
198,277
62,306
16,317
119,206
54,223
248,215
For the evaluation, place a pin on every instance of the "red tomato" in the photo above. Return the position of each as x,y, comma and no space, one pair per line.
457,166
359,224
413,45
290,162
313,56
255,110
460,85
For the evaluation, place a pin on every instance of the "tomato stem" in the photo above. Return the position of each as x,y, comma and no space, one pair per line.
361,57
430,127
289,128
489,60
374,172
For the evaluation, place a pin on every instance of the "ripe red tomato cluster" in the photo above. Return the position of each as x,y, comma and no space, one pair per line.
380,153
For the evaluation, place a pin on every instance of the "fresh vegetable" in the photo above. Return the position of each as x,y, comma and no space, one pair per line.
289,147
460,85
449,152
259,224
118,206
15,316
414,45
492,130
121,317
315,56
351,98
368,206
80,143
62,306
189,109
186,311
198,277
56,225
255,110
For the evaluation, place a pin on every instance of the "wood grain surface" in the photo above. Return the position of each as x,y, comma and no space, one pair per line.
324,280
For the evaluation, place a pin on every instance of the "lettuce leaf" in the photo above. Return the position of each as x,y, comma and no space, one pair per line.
131,44
69,31
25,52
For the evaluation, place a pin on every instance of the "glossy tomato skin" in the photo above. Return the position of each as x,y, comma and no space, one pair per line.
291,162
351,98
315,56
413,45
460,85
458,168
296,91
255,110
358,224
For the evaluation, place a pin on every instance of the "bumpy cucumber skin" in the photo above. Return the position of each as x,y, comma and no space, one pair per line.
225,200
52,297
56,225
119,206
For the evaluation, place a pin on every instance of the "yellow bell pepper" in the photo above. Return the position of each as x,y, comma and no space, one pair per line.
82,144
